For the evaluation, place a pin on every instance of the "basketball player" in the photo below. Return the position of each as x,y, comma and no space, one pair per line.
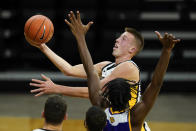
95,119
126,46
117,92
54,113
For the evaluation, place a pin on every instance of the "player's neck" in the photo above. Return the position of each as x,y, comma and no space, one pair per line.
53,127
122,59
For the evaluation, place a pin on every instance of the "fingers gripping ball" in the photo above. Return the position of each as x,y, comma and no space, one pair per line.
39,29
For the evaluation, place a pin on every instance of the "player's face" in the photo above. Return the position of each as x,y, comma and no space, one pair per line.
123,45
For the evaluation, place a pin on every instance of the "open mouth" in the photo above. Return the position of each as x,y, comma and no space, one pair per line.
115,46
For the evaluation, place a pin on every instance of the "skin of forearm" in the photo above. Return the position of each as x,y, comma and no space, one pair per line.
161,68
60,63
85,55
93,78
81,92
157,79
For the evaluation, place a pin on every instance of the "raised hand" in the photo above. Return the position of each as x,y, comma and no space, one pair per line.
33,43
45,87
168,40
76,25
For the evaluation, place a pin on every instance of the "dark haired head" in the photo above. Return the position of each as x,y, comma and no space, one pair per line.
95,119
55,110
117,93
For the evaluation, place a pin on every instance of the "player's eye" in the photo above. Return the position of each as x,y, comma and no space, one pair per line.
123,38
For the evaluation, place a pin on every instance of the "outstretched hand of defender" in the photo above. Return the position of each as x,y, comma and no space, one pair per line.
76,25
168,40
44,87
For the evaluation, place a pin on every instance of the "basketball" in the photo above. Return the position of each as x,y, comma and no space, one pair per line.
38,29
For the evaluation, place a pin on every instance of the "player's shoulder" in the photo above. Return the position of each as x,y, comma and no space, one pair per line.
125,70
103,64
128,65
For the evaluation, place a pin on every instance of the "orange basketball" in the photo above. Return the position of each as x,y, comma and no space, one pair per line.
39,29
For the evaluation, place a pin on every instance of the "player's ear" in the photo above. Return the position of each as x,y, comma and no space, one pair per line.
132,50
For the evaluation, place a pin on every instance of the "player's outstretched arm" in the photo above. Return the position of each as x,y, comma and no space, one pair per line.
142,108
79,31
65,67
47,86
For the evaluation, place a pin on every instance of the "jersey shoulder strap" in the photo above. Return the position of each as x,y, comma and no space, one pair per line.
134,64
108,66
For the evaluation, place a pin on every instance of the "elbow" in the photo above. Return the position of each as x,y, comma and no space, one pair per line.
67,73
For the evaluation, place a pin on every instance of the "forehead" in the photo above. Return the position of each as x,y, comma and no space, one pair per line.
128,35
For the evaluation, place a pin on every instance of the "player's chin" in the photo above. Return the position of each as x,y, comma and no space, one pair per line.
114,53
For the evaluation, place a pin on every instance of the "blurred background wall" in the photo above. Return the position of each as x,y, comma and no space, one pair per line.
20,62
